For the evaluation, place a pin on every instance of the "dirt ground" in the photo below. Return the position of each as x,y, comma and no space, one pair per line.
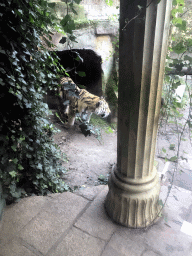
90,159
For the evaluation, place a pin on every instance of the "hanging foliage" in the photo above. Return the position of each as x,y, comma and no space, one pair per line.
29,160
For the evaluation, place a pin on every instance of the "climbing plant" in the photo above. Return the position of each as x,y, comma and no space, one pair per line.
30,162
174,120
178,58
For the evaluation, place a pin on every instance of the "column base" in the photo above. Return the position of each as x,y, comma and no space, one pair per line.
133,206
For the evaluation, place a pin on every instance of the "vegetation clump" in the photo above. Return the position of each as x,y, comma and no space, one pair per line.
30,162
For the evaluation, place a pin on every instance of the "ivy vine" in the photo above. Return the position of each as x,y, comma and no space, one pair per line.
30,162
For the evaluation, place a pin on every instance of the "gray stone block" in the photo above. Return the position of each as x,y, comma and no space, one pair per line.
123,246
107,28
89,192
15,248
95,220
150,253
53,220
164,237
167,241
77,242
17,215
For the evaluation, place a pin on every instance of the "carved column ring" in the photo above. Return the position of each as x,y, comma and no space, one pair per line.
135,188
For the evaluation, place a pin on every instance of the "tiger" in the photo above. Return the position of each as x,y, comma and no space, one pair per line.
81,102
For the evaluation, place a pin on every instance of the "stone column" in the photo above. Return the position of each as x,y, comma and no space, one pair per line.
134,185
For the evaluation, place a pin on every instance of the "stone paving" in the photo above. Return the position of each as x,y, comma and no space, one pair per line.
76,224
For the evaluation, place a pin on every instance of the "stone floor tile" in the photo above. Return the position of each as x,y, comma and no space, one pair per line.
150,253
123,246
110,251
168,241
95,220
178,206
17,215
78,243
15,248
54,219
89,192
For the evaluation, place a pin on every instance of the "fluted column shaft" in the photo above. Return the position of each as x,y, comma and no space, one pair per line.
134,184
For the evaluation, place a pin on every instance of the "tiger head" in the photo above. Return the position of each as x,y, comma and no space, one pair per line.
102,108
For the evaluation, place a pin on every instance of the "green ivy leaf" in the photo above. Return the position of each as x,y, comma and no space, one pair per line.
15,160
39,166
180,2
174,12
13,174
1,81
81,73
161,203
31,18
109,2
101,177
173,159
179,48
182,26
172,147
109,130
14,148
2,71
20,167
2,51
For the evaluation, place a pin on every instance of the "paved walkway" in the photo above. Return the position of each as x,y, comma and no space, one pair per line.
70,224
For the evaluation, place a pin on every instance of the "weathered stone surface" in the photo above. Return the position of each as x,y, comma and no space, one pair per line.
101,44
171,241
178,206
15,248
52,231
107,28
164,238
150,253
54,219
109,251
167,241
104,48
79,243
17,215
89,192
95,221
123,246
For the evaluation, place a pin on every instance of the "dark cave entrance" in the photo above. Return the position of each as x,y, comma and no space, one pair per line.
87,61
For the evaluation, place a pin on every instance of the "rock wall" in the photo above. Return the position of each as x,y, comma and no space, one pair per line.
97,36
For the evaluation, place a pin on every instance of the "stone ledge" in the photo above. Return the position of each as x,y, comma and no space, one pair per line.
107,28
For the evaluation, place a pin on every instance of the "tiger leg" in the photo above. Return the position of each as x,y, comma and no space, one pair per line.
89,117
71,120
71,116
